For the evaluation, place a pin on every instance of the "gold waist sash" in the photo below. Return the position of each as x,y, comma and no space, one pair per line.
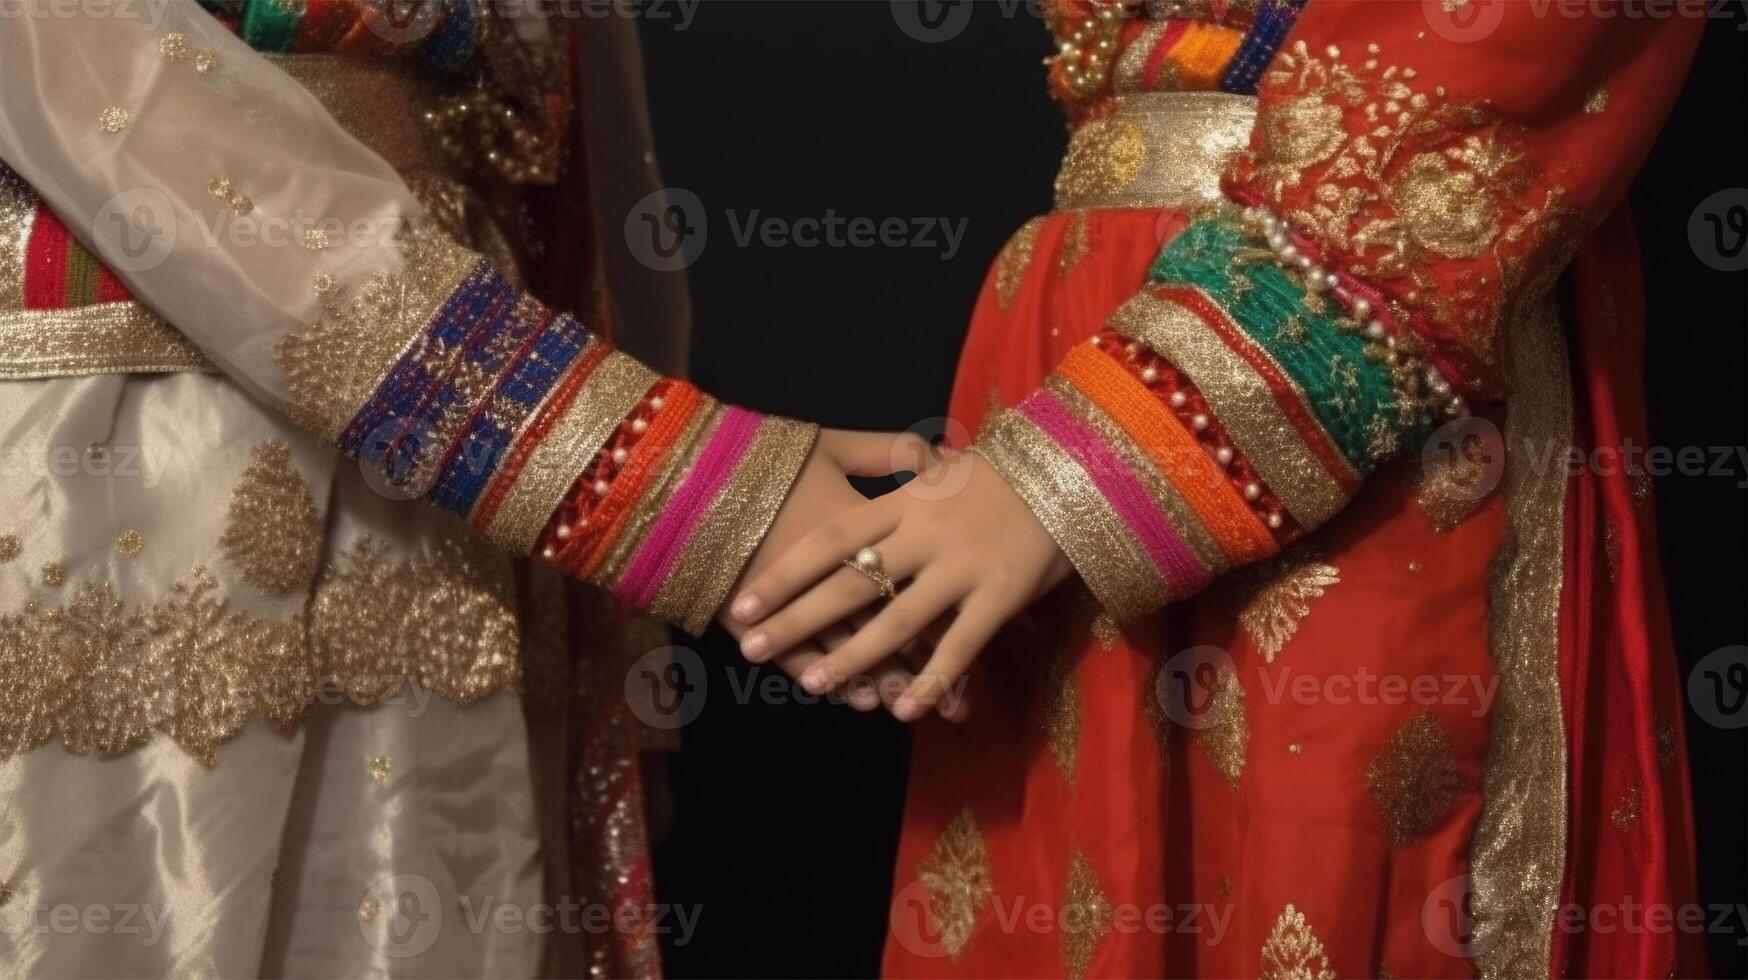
381,102
1158,150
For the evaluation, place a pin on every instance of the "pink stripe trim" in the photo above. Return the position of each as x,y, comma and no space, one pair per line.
662,546
1125,493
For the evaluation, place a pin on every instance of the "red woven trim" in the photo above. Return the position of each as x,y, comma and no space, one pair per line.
1168,380
1286,393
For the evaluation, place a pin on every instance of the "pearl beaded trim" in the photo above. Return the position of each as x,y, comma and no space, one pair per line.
1180,393
1369,316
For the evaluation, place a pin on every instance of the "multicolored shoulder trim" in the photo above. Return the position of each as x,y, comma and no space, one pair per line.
451,384
1236,402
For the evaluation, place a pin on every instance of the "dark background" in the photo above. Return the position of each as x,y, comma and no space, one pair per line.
786,815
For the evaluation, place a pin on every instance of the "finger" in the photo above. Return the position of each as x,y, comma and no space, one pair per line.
982,615
877,453
889,682
902,619
839,595
822,551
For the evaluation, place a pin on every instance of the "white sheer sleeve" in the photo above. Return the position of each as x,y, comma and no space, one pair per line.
231,203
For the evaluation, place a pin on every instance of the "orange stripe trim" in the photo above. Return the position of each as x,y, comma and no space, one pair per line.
611,515
1179,456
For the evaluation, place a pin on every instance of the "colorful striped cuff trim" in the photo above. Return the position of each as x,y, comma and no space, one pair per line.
1175,452
1065,500
1347,390
1288,395
680,516
738,518
1164,494
1175,562
1243,401
553,464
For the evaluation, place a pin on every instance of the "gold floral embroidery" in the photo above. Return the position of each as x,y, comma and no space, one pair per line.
1104,157
273,532
1414,779
9,548
380,767
114,119
1293,952
1224,739
1086,916
1450,493
1596,103
333,366
1281,591
1668,744
95,449
130,544
17,215
53,575
1432,199
369,908
106,677
1076,243
956,876
1014,261
1059,714
1625,814
222,188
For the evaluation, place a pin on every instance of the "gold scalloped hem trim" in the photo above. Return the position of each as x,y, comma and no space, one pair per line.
103,338
106,678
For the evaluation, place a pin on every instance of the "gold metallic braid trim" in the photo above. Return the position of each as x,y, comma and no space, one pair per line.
736,522
654,499
1066,501
1158,150
17,214
1518,855
609,394
1243,401
1177,511
107,677
333,366
104,338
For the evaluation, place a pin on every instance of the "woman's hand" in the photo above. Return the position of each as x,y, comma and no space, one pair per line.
967,542
822,492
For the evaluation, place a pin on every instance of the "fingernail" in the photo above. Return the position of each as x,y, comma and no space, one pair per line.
906,709
755,646
814,680
747,607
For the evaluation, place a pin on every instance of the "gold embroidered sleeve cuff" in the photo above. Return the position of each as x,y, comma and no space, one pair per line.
1231,407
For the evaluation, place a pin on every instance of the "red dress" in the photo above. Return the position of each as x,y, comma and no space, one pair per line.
1437,735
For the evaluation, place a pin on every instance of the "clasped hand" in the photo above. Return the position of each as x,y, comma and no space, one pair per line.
961,551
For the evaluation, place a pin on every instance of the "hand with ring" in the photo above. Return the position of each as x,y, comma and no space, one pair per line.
974,554
820,493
